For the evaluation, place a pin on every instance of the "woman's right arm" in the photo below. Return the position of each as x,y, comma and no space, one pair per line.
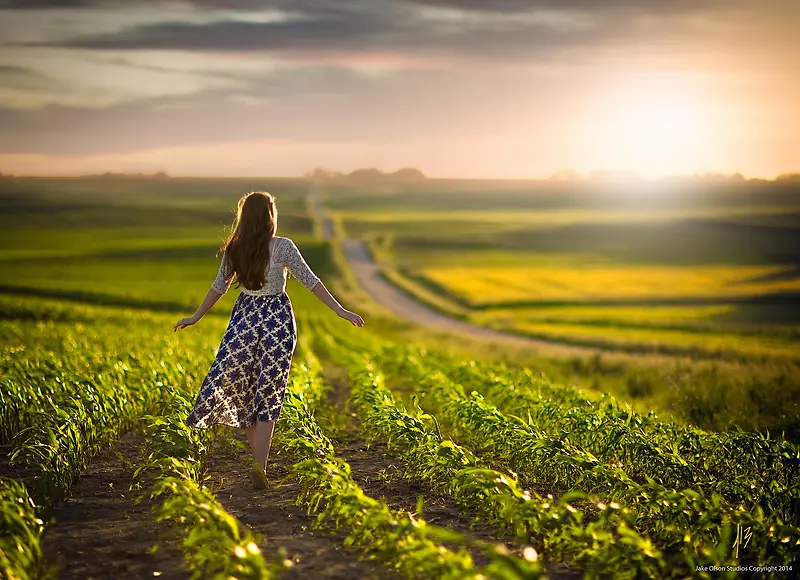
321,292
212,297
219,287
303,273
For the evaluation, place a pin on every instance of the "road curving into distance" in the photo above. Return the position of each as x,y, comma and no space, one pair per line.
368,276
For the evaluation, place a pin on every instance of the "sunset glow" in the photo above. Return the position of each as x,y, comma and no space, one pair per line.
660,134
461,89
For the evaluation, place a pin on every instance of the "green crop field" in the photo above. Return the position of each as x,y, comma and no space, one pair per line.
527,257
399,452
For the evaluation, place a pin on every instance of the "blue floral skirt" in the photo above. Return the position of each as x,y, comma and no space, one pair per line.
247,380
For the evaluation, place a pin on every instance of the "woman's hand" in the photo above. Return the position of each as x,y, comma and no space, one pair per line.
354,318
184,322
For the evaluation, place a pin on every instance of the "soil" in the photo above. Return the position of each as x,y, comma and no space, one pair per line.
377,472
377,475
99,532
273,515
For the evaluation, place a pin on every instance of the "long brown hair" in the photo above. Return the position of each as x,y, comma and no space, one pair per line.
247,247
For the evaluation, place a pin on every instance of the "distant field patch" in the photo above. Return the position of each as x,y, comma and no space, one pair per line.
42,243
564,216
593,282
788,220
611,315
658,339
129,264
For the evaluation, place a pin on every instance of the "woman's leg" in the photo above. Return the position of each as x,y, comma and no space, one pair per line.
251,437
261,441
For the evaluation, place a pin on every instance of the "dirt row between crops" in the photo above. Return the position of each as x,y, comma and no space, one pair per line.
380,476
274,515
99,532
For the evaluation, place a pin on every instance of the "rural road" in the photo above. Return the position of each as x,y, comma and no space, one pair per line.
367,274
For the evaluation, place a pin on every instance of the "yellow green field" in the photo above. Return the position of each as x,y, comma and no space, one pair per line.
656,339
701,270
590,282
663,315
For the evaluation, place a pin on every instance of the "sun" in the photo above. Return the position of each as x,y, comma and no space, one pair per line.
654,132
661,134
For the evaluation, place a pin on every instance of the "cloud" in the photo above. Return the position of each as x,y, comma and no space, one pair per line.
301,104
128,76
516,29
26,88
44,4
13,70
305,6
308,6
48,76
20,77
590,5
511,30
308,33
384,26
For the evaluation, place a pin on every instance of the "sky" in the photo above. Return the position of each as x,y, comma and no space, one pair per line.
460,88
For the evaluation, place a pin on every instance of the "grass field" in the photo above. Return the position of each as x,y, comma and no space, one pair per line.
365,221
527,257
646,339
393,439
613,283
706,272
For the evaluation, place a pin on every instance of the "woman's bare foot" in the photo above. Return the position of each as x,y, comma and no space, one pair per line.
258,476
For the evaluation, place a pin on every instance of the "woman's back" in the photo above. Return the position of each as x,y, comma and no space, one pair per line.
284,258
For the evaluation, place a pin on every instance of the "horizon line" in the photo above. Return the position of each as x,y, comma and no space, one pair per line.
595,175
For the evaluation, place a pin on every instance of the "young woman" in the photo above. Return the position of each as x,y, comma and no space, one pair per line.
247,381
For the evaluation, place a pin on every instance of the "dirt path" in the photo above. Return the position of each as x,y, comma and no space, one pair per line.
98,532
367,274
273,514
319,214
378,474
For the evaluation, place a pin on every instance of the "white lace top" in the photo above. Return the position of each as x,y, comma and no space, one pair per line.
283,256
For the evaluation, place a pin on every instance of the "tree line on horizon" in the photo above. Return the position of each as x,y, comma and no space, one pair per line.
410,174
